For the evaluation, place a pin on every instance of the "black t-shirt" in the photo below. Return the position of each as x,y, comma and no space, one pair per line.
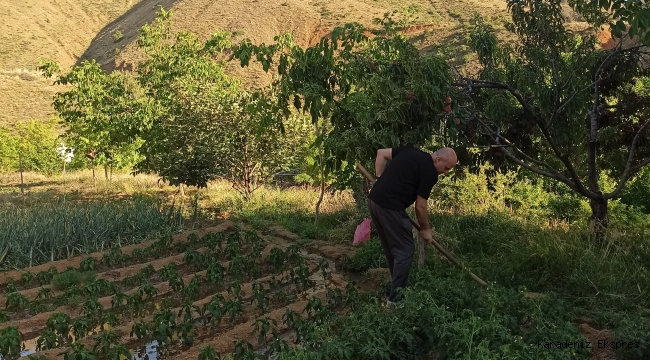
410,173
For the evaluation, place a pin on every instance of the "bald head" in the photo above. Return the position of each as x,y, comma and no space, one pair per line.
444,159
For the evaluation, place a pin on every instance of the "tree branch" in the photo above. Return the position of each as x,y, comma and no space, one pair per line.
628,166
578,186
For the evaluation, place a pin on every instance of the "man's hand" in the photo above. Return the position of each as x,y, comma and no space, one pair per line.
427,235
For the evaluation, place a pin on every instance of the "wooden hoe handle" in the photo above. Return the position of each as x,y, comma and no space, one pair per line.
434,243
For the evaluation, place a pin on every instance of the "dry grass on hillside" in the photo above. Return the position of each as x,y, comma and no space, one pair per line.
70,31
25,95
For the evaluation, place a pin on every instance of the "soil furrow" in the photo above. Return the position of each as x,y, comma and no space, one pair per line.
125,329
62,265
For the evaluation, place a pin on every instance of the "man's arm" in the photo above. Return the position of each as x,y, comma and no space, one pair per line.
422,214
383,155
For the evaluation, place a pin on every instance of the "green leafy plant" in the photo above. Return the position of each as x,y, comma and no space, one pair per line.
77,351
208,353
4,317
163,326
10,339
59,323
215,273
48,340
244,350
45,277
260,296
16,302
263,327
215,308
27,278
11,287
88,264
72,277
213,240
140,329
80,327
44,294
276,259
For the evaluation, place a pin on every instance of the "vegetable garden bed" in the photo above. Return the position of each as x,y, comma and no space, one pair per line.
218,291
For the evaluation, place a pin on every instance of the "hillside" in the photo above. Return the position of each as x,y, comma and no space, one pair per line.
70,31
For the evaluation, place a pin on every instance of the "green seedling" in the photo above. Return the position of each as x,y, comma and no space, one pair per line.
36,307
27,278
118,299
262,328
60,323
208,353
88,264
106,340
193,288
260,296
140,330
176,283
48,340
10,339
16,302
215,273
163,325
80,327
169,271
244,350
11,287
92,308
276,259
77,351
213,240
4,317
193,238
44,294
108,319
45,277
215,308
147,291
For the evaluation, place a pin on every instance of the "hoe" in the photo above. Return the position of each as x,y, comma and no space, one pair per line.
435,244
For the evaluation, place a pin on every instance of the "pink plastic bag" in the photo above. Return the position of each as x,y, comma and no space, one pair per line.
362,234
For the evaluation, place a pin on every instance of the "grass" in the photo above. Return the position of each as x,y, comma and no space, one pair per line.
544,269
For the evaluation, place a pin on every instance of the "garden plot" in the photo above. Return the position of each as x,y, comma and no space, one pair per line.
218,291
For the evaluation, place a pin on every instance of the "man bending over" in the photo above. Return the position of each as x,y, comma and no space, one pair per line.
409,178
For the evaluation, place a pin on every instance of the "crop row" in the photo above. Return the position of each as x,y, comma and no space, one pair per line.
139,303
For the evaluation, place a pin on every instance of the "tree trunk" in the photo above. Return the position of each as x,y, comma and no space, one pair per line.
106,171
322,175
598,220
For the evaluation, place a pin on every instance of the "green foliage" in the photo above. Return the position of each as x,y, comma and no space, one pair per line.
522,98
16,301
377,92
55,231
36,141
72,277
10,339
368,256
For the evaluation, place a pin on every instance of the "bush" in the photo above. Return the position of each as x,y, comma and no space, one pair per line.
369,256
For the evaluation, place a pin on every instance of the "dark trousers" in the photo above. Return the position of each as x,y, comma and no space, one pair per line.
396,235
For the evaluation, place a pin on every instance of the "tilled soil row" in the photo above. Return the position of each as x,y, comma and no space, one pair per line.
62,265
125,329
33,325
225,343
111,275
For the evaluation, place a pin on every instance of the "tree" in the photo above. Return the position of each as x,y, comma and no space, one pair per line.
103,113
375,91
252,151
561,108
191,93
632,16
